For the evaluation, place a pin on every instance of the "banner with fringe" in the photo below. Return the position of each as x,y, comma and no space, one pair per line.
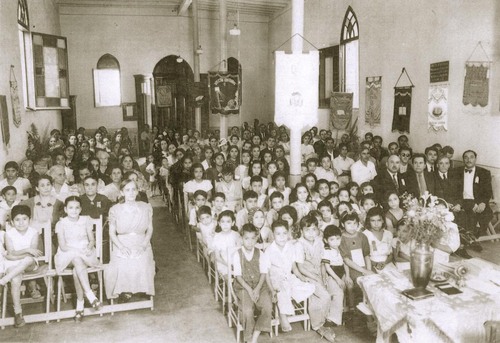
340,110
476,84
437,112
373,100
224,93
402,109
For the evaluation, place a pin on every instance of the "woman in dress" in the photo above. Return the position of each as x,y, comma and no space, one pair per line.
132,267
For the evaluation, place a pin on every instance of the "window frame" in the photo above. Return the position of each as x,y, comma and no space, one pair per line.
97,83
333,52
349,33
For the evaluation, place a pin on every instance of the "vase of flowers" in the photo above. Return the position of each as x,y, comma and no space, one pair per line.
426,224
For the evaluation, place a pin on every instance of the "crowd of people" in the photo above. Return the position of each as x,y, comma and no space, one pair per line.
311,241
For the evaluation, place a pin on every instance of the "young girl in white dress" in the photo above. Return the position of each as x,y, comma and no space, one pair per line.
227,239
380,239
77,250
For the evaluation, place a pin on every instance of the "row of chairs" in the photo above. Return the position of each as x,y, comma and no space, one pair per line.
223,284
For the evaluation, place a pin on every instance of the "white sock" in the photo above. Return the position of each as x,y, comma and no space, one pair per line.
80,305
90,295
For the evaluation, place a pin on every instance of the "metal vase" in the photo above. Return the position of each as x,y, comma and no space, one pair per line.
421,261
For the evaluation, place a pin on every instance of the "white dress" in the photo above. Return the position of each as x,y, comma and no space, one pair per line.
19,242
192,186
379,249
75,235
223,243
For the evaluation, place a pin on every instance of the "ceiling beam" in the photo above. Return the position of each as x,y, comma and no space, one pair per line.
183,7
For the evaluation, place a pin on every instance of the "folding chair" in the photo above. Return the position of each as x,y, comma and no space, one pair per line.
220,289
187,228
44,271
211,267
98,229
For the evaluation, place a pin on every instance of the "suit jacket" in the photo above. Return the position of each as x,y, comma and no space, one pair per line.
383,183
481,185
448,189
319,148
412,183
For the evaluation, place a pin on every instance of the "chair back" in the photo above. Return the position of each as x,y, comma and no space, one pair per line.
46,232
98,229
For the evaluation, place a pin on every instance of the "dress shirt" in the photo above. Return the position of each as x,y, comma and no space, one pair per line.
362,173
469,184
340,164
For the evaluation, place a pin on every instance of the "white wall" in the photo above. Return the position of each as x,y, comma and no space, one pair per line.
140,41
44,18
412,34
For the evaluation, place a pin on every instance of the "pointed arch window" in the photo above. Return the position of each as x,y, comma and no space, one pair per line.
107,88
349,49
22,14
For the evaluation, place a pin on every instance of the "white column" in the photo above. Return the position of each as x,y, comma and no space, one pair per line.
223,56
196,65
295,130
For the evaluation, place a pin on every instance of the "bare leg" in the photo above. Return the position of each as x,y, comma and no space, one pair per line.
26,263
255,336
81,271
15,291
285,324
78,286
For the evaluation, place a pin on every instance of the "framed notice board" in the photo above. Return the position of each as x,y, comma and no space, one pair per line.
440,71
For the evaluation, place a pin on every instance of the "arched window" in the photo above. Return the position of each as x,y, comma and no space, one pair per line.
22,14
349,42
107,90
234,67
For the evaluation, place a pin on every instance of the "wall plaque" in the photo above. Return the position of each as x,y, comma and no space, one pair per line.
440,71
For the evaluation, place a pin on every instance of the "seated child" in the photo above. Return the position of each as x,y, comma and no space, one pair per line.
93,204
401,243
265,235
327,218
226,241
231,189
289,215
323,189
355,250
301,203
151,170
249,202
334,187
285,286
256,186
252,286
77,250
379,238
197,183
450,241
218,204
335,270
9,195
277,200
200,199
206,228
344,195
310,249
367,202
21,242
366,188
279,184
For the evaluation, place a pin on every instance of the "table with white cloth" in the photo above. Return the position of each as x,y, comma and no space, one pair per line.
441,318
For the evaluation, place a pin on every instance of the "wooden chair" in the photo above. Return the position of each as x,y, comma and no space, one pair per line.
187,228
98,229
220,288
44,271
211,267
492,329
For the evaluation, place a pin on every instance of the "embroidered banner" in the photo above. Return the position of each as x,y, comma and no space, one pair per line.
14,98
402,109
164,96
4,120
373,100
437,112
476,84
224,93
340,110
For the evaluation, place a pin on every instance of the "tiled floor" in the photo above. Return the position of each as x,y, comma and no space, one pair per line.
185,309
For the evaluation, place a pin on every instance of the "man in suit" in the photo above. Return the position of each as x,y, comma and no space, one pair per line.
446,183
405,153
320,145
431,155
420,180
475,192
389,179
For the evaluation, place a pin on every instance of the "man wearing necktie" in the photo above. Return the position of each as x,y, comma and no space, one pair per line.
431,155
446,184
474,187
389,180
419,180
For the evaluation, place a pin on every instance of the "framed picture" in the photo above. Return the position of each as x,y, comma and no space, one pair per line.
129,111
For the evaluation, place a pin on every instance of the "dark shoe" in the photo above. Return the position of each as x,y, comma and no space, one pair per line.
19,320
326,333
329,324
475,246
125,297
96,304
461,252
78,316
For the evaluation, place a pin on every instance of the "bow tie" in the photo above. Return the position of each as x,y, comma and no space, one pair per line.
468,170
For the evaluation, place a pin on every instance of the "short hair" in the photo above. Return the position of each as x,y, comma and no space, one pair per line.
11,164
290,210
227,170
325,203
312,159
220,195
256,178
418,155
430,148
392,143
369,196
325,156
248,227
466,151
447,150
250,195
200,192
279,223
378,137
331,183
20,209
373,212
90,177
343,145
406,148
8,188
331,231
276,194
365,184
197,165
350,216
402,136
72,198
307,221
204,210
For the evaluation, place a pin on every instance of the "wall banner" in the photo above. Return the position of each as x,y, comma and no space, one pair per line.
224,93
476,84
437,112
373,100
402,109
340,110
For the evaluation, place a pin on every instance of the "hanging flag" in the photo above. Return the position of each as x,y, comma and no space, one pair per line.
402,109
4,120
14,98
437,113
340,110
373,100
224,93
164,96
476,84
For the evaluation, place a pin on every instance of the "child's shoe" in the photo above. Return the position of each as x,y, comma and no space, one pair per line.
19,320
326,333
78,316
96,304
